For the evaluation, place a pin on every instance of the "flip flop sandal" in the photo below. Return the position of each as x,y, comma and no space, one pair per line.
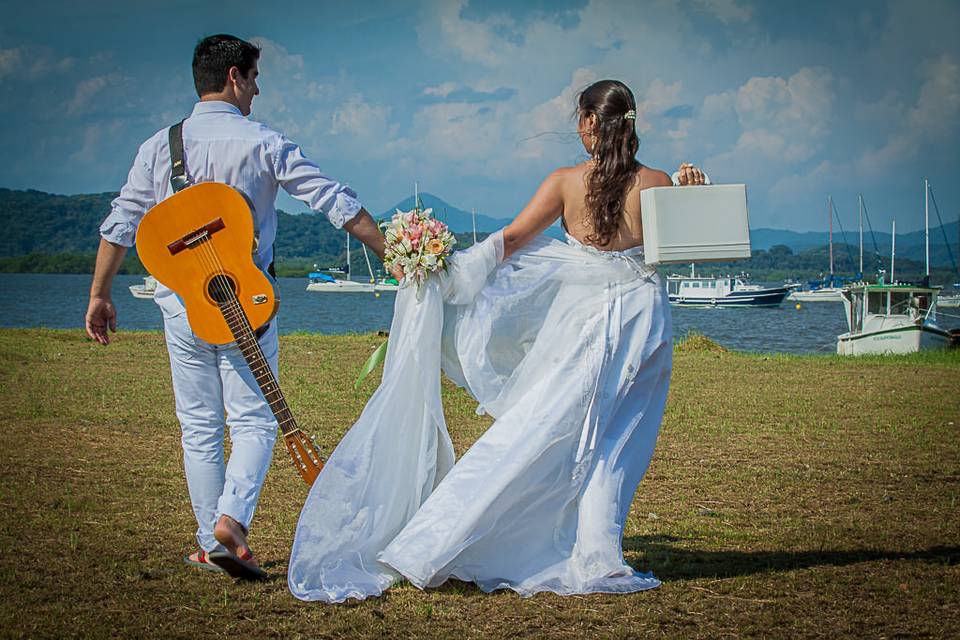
237,566
202,563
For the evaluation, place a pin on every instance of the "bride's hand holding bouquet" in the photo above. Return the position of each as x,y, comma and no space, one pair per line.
416,245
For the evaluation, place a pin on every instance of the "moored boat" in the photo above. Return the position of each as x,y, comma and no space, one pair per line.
145,290
727,291
890,318
321,282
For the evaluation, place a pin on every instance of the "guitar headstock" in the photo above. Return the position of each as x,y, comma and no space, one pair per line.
306,459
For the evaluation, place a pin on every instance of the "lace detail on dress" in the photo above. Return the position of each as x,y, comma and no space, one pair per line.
632,257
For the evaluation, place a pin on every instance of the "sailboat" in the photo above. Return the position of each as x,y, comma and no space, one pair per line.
825,290
324,282
892,318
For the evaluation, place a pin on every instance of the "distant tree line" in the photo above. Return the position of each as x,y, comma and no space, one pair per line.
48,233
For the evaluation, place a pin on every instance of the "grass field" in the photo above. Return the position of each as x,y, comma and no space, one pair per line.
789,497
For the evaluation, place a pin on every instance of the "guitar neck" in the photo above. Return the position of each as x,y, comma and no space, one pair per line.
250,348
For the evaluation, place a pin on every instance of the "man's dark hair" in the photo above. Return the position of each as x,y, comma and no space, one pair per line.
213,57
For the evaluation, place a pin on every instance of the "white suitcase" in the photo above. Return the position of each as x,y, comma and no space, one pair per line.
695,224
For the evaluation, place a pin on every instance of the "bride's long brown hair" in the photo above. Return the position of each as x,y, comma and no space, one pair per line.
614,154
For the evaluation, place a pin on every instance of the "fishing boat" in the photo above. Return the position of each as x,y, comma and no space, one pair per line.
893,318
145,290
890,318
728,291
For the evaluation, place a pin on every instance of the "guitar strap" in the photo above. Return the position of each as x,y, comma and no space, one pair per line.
178,171
179,180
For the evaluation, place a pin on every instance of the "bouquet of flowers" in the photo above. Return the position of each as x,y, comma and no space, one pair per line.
417,243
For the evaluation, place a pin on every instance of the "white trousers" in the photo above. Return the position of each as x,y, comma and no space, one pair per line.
213,386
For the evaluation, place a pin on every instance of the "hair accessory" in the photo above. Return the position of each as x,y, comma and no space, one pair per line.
630,115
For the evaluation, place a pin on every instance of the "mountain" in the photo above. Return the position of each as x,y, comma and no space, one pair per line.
457,219
909,245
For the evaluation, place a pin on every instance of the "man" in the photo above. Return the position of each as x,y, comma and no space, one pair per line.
222,145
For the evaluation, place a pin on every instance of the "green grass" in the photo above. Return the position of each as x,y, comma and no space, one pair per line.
789,496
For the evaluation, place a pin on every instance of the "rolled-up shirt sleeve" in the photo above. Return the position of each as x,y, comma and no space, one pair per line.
136,198
304,180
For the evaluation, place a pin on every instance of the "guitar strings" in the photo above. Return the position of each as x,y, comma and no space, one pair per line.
225,292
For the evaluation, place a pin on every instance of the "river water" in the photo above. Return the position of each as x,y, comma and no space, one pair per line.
59,301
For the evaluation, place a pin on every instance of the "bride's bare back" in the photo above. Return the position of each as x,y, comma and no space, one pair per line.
578,221
563,195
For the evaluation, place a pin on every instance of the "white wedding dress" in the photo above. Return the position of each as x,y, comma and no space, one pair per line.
569,349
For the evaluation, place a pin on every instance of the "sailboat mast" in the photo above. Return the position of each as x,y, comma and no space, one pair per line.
830,218
860,199
416,196
473,217
893,252
926,223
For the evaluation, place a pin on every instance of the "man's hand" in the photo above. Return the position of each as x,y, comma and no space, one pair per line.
690,174
101,316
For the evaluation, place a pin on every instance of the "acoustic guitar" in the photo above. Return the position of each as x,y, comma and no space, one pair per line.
198,243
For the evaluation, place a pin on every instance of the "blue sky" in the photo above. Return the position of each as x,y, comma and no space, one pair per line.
474,100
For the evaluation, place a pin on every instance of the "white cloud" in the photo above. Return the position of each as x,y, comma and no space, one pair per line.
87,90
22,62
798,105
658,97
360,119
441,90
537,128
474,40
935,116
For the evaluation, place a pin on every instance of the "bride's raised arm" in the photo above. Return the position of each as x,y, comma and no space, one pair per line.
544,208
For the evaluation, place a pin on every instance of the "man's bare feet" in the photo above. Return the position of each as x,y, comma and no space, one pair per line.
230,534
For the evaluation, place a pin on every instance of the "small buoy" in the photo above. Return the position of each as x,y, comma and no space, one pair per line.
377,295
798,306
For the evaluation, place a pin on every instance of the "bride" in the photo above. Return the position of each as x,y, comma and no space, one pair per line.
567,345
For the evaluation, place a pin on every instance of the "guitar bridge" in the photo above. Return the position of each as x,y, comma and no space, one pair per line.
196,236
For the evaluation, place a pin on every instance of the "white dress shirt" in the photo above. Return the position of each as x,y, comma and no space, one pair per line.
221,145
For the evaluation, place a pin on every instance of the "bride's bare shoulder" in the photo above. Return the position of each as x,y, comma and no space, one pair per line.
650,177
575,172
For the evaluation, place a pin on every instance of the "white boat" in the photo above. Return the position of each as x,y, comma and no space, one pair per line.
729,291
325,282
820,294
320,283
387,284
952,300
890,318
145,290
826,290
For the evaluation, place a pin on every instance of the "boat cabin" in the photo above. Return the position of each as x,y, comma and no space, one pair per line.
874,307
687,287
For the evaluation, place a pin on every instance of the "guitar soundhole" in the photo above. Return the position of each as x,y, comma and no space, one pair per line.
221,288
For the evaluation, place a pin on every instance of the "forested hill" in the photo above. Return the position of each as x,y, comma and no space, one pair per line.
44,232
38,222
